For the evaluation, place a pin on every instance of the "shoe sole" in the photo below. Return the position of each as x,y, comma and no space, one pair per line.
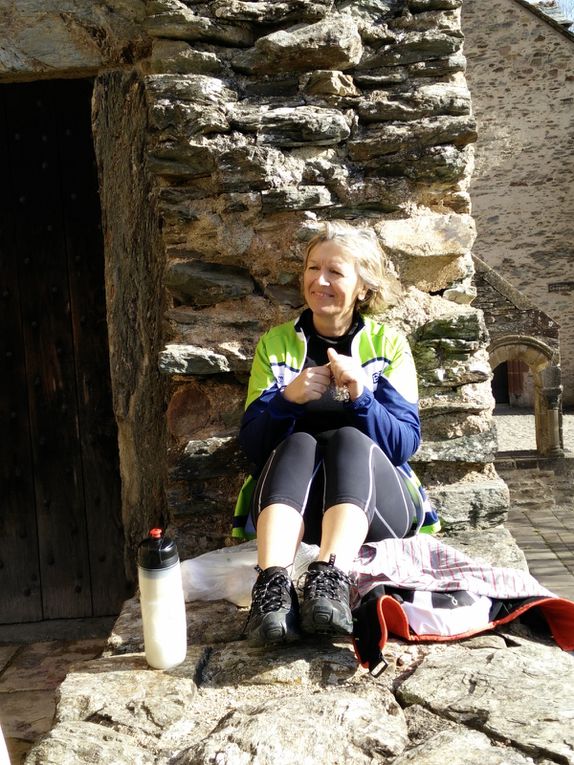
273,634
322,620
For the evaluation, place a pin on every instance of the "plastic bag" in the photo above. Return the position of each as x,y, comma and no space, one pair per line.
229,573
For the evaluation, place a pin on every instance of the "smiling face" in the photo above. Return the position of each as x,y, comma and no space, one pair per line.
331,287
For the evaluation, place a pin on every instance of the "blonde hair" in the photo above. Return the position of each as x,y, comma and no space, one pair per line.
362,246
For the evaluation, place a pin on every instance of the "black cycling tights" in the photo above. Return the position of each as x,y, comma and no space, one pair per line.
313,473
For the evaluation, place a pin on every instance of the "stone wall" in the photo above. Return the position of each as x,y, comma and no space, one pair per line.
225,132
519,74
264,121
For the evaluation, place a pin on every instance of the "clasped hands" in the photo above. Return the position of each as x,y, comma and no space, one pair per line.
312,382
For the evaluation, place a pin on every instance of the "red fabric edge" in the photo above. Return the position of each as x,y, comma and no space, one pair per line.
558,612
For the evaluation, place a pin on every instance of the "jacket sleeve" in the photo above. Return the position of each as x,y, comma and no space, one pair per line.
268,416
390,416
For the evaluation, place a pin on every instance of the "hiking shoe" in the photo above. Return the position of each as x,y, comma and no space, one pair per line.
325,607
274,613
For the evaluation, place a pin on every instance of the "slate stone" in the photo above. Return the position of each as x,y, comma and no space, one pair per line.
517,695
191,360
467,324
429,235
304,732
414,47
181,160
126,694
329,83
329,44
448,746
295,198
84,743
200,283
174,19
253,168
209,458
447,164
425,101
476,505
478,448
178,57
286,666
393,137
494,546
272,11
292,126
193,88
418,6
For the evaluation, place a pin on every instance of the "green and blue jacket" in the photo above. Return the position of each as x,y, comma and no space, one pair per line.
386,410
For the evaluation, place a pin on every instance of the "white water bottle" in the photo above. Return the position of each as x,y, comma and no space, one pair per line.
162,601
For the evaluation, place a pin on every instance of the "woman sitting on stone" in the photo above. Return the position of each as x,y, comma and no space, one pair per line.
331,418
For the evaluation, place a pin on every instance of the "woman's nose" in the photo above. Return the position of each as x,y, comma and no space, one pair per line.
323,279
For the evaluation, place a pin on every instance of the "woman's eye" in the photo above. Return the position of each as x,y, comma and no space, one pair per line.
312,268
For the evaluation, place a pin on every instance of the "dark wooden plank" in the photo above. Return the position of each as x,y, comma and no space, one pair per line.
20,596
98,432
48,337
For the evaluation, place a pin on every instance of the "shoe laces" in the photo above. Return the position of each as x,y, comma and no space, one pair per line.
326,580
271,591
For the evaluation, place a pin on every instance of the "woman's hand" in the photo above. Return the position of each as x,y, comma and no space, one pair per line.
347,373
310,385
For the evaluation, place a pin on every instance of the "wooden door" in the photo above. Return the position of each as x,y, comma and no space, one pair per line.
61,538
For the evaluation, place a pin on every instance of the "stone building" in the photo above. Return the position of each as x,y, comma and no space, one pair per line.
522,335
223,133
519,71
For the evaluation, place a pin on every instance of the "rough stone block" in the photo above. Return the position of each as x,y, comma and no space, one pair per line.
181,160
493,546
471,505
292,126
429,234
124,691
330,83
479,447
210,458
390,138
178,57
332,44
174,19
192,360
199,409
271,11
449,745
464,684
295,198
414,47
424,101
304,730
194,88
445,164
199,283
84,743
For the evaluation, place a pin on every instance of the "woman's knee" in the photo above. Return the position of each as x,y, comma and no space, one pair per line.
300,444
347,438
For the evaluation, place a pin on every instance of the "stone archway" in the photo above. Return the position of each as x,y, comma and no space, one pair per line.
543,361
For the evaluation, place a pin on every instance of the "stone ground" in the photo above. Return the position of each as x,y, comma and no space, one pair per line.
541,518
34,659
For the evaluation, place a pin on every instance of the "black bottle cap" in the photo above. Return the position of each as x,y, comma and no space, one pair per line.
157,551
